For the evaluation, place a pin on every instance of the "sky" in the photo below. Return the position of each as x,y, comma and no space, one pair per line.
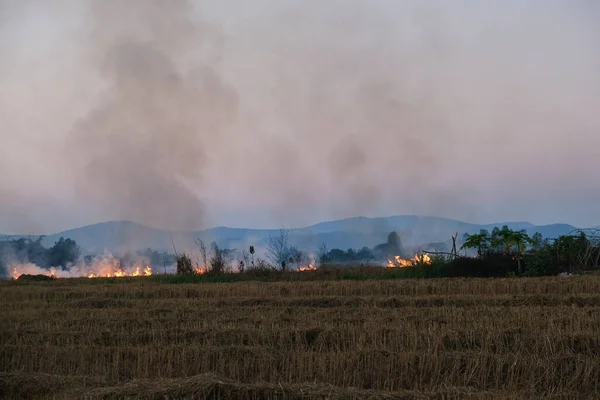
270,113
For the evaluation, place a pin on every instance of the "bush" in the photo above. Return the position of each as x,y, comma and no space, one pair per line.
542,262
218,265
184,265
487,266
260,270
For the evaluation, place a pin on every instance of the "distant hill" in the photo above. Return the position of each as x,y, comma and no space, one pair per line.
120,236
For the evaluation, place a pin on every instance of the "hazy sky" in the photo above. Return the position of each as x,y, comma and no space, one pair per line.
269,113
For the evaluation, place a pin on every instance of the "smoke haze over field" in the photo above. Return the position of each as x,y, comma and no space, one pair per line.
190,114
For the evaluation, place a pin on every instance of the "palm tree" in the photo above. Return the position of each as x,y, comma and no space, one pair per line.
521,240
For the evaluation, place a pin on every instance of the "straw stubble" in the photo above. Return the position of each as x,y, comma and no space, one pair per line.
413,339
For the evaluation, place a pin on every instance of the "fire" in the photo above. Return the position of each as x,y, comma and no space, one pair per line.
119,273
17,274
201,271
402,263
309,267
105,266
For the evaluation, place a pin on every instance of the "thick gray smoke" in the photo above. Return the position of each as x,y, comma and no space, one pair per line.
143,146
183,114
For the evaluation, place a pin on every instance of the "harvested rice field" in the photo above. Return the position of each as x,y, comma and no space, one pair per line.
412,339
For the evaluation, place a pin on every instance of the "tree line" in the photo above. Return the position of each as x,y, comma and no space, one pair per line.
501,251
536,255
27,250
280,254
392,247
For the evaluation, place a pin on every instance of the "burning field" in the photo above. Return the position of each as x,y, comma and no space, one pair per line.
399,262
467,338
106,267
99,270
309,267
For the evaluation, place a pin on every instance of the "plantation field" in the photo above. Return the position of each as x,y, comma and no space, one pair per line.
444,338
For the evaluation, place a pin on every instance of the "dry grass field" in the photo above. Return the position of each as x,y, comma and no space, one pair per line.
447,338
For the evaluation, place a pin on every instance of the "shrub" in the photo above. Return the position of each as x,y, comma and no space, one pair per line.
260,270
542,262
488,265
184,265
218,264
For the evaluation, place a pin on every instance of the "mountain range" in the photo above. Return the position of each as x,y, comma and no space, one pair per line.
121,236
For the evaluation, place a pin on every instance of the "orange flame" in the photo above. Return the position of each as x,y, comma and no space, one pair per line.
402,263
309,267
119,273
108,268
201,271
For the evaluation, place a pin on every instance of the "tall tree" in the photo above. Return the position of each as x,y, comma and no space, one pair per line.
392,247
63,252
479,241
537,240
520,240
252,254
218,263
278,251
323,253
203,253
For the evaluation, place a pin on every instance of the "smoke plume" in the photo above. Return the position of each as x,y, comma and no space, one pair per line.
185,114
143,146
